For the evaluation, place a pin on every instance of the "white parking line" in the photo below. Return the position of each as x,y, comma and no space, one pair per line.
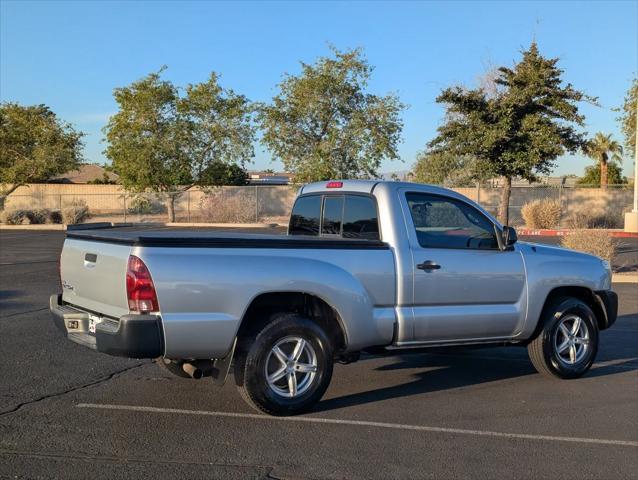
360,423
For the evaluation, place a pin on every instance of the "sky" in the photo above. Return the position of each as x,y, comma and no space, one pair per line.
71,55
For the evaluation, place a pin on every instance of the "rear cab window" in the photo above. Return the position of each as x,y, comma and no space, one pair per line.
305,216
352,216
332,217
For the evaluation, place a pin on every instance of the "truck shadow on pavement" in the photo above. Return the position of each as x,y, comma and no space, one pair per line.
443,372
450,369
10,304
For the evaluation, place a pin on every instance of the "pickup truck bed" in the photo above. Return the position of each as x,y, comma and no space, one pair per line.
206,280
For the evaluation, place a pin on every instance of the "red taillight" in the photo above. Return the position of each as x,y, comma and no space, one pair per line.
139,287
334,185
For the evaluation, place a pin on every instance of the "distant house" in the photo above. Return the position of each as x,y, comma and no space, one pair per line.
87,173
267,178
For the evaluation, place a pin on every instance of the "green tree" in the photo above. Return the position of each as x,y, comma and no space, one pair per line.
165,142
592,175
603,149
219,174
628,116
517,131
35,145
443,168
322,124
104,180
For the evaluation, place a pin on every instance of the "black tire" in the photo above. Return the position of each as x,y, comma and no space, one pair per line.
544,349
255,356
172,366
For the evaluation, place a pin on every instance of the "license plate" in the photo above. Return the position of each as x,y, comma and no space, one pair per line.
93,321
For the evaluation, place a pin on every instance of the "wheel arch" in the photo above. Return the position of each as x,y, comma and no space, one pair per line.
311,305
584,294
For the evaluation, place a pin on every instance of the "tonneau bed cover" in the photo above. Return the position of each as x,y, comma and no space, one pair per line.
162,237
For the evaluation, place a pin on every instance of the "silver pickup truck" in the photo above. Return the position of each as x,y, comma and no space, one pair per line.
367,266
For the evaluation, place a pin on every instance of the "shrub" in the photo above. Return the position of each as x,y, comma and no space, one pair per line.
595,242
76,212
607,220
582,219
542,213
578,220
14,217
37,216
219,208
142,205
55,216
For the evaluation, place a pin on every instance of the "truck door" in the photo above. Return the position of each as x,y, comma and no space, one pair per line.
465,287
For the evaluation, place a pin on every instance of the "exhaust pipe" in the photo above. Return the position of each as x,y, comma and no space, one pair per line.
198,368
192,371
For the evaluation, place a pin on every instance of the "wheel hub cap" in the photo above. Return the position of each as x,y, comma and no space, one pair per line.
571,340
291,367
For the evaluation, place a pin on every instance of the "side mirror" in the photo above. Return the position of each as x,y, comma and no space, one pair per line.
509,236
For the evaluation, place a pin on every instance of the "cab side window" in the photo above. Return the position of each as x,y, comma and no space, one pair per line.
443,222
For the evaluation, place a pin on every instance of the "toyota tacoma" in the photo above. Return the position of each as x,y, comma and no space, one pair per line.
366,266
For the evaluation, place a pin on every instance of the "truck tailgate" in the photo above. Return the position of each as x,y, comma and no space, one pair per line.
93,276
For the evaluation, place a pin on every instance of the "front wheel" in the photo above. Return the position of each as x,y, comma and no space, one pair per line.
567,345
287,367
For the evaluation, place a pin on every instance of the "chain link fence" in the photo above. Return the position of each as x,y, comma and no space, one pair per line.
608,204
250,204
272,204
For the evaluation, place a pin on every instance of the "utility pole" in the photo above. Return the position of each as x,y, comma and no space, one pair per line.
631,218
635,210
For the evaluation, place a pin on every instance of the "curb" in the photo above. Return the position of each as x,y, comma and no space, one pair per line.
624,278
55,226
62,227
529,232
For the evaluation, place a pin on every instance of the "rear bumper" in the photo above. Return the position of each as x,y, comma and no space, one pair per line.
134,336
608,301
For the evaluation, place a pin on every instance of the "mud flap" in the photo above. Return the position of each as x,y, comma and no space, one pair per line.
221,366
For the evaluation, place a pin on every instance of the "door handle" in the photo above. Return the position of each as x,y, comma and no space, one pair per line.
89,260
428,265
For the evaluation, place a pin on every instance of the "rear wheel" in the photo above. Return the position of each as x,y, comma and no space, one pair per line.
567,345
286,367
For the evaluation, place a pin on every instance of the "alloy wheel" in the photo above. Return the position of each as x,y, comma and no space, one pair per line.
291,367
571,340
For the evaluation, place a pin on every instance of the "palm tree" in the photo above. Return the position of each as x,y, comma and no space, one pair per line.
603,149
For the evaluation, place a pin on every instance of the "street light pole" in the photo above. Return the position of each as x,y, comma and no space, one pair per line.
635,210
631,218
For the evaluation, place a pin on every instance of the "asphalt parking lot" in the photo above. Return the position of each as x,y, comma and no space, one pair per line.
68,412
